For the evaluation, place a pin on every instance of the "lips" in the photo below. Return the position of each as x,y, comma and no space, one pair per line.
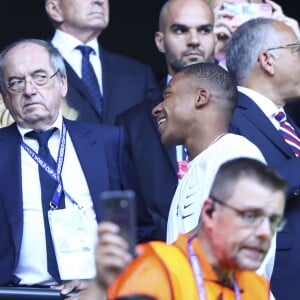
254,251
31,104
97,13
193,54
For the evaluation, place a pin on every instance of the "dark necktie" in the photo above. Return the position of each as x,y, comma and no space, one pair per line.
89,76
48,187
288,133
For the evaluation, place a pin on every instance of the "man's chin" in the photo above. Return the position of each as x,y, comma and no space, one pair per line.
250,264
167,141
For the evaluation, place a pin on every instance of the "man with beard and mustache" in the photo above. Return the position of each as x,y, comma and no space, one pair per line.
185,37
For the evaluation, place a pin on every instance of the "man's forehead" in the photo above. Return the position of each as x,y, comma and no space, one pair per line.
188,13
30,49
26,56
180,77
248,191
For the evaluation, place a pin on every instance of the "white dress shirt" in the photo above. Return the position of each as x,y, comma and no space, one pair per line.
266,105
66,44
32,267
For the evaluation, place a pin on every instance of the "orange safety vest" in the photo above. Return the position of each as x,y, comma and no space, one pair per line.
164,272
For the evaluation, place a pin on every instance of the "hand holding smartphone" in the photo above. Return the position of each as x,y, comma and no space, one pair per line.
119,207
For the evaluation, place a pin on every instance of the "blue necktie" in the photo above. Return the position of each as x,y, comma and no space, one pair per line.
89,76
288,133
48,187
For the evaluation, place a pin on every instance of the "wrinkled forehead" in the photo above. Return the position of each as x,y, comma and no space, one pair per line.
25,58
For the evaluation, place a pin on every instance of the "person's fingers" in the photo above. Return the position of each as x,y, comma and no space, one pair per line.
108,227
68,287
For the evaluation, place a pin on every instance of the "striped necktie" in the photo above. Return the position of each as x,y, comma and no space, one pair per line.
288,132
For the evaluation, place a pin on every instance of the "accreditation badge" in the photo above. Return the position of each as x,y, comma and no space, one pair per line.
73,243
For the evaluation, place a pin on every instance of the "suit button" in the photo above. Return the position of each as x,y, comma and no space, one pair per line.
297,192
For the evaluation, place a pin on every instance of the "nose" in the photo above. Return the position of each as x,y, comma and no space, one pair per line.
193,38
264,230
29,87
156,111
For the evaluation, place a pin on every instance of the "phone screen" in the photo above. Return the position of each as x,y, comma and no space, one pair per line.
119,207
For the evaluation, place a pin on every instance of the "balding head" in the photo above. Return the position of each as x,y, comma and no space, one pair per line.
185,33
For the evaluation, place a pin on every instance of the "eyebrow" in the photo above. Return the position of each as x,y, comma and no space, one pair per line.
183,26
32,73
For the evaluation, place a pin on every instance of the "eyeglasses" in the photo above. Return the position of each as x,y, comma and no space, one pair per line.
254,218
295,46
18,84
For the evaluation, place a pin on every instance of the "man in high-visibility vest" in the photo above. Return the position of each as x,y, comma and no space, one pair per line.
218,259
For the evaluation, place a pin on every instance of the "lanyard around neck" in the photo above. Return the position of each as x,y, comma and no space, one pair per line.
55,174
197,271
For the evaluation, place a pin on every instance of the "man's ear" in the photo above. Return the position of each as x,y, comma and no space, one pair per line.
206,216
267,62
53,10
202,97
159,41
64,86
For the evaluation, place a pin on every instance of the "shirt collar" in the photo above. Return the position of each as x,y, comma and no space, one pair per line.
70,42
57,124
264,103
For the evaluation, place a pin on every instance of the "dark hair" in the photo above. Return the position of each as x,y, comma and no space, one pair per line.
233,170
216,78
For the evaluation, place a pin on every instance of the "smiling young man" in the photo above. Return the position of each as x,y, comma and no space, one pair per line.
197,106
185,37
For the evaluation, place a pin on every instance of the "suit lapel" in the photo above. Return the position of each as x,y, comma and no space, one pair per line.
107,80
86,145
11,181
79,85
255,115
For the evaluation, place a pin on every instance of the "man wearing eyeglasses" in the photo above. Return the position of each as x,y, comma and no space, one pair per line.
263,56
52,172
216,260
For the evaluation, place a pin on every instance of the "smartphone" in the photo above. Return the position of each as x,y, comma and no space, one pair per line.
243,12
119,207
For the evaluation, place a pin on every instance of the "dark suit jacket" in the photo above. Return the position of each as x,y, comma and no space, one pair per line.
155,163
248,120
106,166
126,82
293,110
